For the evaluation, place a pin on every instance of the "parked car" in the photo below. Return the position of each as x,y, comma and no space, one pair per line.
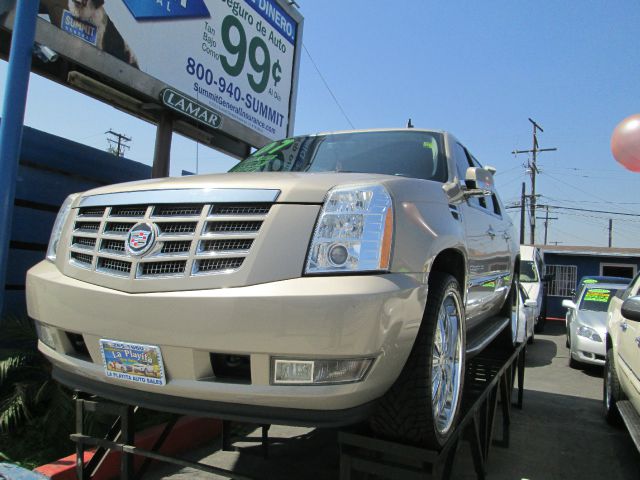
621,392
532,279
325,280
594,279
527,308
587,323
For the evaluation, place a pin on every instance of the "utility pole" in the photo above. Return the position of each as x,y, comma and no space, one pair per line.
117,142
533,170
523,206
610,231
546,219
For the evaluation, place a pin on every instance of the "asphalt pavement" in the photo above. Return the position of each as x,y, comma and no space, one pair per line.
559,434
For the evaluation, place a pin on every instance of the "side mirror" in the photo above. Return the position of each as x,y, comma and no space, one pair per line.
530,303
479,182
631,309
569,304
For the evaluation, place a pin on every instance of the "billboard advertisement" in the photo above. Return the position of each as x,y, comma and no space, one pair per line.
235,58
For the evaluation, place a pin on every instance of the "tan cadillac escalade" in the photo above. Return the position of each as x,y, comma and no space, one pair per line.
325,280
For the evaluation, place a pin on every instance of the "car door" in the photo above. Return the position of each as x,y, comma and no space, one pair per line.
485,247
628,342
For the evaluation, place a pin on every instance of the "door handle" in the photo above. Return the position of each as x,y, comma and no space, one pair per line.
490,232
638,341
624,326
506,236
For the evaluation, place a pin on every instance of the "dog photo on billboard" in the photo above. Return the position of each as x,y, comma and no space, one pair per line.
108,37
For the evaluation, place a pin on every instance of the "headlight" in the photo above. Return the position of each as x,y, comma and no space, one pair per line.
590,333
354,231
63,213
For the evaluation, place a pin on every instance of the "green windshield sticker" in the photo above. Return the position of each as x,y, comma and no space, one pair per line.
428,145
597,295
590,280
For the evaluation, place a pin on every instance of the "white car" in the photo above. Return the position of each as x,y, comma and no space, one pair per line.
587,323
622,365
526,317
622,368
531,278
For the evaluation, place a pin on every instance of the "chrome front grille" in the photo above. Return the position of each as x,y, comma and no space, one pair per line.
192,239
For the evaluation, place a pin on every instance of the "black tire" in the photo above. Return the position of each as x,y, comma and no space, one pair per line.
611,391
573,363
531,338
567,341
405,412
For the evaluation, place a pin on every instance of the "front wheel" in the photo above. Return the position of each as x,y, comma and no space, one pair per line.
611,390
423,404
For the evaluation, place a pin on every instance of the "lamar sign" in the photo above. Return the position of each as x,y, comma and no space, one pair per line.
191,108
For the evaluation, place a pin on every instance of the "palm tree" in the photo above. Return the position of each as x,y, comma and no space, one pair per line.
27,391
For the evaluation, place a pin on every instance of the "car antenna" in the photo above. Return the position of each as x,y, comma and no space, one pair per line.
409,124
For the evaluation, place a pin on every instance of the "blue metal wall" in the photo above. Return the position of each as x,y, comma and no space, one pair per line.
586,265
50,169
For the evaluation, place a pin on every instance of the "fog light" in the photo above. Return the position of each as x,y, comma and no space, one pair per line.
317,372
46,335
338,255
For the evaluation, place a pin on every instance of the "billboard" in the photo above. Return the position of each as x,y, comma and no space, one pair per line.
236,60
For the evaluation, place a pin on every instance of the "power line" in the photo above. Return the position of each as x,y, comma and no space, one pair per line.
511,207
327,86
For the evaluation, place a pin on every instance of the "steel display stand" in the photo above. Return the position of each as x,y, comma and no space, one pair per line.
489,377
489,382
120,438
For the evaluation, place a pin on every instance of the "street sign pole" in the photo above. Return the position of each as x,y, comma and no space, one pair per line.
15,98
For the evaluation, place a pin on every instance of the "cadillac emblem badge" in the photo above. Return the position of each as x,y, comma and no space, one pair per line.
141,238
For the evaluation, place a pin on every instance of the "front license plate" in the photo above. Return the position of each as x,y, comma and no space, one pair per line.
133,362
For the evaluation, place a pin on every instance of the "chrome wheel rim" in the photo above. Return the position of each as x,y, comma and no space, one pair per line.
446,366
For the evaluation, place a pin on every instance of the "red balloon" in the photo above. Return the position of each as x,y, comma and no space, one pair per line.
625,143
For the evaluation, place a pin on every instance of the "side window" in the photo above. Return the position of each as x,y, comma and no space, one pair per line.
462,162
465,160
482,201
496,205
632,289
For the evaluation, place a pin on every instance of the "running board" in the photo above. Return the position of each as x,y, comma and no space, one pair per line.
480,337
631,420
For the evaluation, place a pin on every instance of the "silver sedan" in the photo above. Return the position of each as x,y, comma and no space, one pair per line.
587,324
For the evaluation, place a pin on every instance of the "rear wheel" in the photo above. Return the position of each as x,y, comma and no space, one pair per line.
422,405
611,390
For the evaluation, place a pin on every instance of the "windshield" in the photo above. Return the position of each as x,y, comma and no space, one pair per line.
528,271
597,299
408,154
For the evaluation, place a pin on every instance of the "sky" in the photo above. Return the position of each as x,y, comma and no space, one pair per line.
476,69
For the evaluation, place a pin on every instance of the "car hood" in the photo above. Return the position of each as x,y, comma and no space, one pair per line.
595,320
294,187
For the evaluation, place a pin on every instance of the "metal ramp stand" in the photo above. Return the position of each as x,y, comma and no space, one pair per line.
489,377
121,438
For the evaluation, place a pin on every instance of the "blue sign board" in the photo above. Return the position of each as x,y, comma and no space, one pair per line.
167,9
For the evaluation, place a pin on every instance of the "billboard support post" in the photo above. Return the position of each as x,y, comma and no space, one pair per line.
15,99
162,151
